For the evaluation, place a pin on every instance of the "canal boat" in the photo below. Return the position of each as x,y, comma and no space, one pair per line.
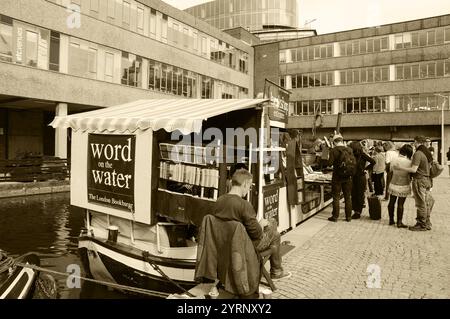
147,172
16,281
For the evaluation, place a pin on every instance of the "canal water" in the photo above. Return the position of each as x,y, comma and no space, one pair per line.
49,226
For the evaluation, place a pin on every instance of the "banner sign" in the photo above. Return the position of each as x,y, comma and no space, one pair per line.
279,108
110,176
271,199
279,101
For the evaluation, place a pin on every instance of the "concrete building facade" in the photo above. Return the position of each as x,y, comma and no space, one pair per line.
60,57
389,82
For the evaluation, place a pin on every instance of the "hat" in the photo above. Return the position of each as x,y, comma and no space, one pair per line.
420,139
337,137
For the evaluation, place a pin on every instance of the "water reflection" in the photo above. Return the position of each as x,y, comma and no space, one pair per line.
49,226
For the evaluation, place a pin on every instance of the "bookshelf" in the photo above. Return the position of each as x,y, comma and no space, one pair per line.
189,170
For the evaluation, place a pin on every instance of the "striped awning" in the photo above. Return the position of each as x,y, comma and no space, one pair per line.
185,115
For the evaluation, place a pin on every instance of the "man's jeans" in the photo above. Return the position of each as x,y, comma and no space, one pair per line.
272,239
346,186
424,200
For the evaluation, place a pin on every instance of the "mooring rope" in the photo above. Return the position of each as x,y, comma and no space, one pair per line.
148,292
5,263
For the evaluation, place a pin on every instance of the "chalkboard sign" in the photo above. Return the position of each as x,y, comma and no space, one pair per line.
271,201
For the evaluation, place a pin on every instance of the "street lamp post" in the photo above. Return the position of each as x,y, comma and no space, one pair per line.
442,127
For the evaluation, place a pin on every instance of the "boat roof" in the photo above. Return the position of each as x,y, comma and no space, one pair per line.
185,115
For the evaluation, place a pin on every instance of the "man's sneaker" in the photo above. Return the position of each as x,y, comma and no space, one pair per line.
356,216
283,275
332,219
417,228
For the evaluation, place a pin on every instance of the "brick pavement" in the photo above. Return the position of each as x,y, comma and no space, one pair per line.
332,260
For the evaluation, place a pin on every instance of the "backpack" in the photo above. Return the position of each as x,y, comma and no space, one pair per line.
435,169
347,167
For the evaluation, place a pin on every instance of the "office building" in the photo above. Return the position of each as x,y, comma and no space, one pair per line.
62,56
389,82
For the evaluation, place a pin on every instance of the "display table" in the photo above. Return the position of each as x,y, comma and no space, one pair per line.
316,195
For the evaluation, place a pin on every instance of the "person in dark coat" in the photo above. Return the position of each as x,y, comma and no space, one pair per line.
359,179
340,183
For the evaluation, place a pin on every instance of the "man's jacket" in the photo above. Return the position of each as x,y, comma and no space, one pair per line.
225,252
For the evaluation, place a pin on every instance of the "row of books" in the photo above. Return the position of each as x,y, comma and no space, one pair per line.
188,154
181,173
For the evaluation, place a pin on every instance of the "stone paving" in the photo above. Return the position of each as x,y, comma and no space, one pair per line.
335,261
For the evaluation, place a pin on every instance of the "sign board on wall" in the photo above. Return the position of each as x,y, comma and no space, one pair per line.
271,200
111,170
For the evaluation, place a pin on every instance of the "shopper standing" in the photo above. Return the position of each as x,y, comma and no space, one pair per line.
421,183
359,181
400,186
391,154
378,170
341,157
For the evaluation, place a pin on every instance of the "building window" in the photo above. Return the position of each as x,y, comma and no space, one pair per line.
329,51
94,5
111,8
82,59
126,13
92,63
140,20
399,72
355,47
431,37
131,70
343,77
415,71
32,48
414,39
282,57
6,30
204,47
447,68
384,74
54,51
164,27
152,22
447,35
399,41
206,87
109,67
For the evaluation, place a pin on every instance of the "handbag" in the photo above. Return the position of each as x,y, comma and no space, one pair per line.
435,169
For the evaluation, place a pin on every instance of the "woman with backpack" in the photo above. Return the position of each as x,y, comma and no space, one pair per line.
359,181
400,185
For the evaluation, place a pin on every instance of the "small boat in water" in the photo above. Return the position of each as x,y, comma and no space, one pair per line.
16,281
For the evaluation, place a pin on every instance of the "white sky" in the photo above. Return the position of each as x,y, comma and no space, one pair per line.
339,15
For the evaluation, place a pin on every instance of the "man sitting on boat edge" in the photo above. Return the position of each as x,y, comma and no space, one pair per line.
264,234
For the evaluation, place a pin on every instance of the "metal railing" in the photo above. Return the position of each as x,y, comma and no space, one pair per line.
34,169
